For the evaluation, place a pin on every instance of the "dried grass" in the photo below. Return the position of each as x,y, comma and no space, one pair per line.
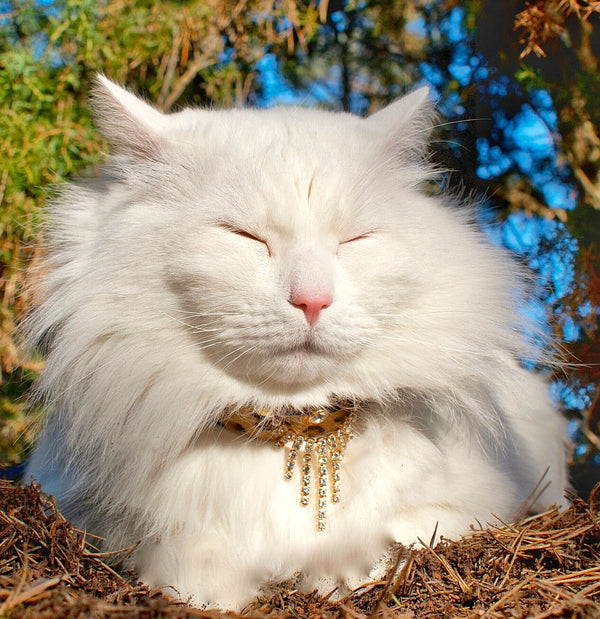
542,20
547,565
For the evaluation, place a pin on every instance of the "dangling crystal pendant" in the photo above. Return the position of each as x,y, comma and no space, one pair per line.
321,458
316,441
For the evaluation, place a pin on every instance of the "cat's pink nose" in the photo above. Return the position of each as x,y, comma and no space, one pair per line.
311,303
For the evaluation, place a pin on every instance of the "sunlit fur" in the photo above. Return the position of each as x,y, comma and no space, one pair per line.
165,298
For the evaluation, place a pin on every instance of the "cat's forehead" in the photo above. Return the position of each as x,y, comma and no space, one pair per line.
285,168
271,134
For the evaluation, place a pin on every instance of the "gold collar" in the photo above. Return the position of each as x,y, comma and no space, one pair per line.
318,435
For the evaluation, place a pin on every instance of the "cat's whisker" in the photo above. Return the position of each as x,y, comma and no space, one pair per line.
244,352
198,314
200,329
425,312
453,143
203,313
207,344
195,328
451,123
267,378
434,345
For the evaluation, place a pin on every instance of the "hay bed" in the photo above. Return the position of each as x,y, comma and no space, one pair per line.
546,566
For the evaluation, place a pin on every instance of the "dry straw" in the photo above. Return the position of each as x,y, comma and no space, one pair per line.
546,565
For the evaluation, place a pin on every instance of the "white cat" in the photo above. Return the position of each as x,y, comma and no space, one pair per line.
281,261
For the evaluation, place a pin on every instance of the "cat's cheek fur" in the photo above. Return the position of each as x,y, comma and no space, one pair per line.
177,285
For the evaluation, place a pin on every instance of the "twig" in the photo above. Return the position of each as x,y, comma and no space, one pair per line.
515,553
181,84
451,571
499,603
29,594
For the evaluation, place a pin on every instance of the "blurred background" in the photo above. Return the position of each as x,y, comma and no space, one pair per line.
516,85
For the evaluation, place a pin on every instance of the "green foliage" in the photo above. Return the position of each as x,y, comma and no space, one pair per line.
41,142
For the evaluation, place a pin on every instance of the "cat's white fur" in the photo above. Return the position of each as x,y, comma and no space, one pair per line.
156,313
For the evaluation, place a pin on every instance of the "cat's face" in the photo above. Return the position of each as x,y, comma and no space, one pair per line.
282,273
294,244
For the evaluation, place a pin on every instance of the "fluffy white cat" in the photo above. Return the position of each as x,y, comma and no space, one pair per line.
278,259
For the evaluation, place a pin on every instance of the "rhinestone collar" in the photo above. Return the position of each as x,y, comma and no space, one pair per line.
316,436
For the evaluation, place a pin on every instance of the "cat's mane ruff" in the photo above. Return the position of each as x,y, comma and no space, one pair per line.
165,298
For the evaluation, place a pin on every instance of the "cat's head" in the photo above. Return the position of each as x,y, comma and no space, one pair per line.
294,247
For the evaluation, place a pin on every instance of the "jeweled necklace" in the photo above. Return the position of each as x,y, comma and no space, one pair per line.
316,436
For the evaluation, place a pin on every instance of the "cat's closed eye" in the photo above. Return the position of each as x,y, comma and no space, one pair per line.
245,234
360,237
352,241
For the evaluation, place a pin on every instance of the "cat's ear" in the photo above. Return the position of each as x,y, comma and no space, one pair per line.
129,124
406,123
